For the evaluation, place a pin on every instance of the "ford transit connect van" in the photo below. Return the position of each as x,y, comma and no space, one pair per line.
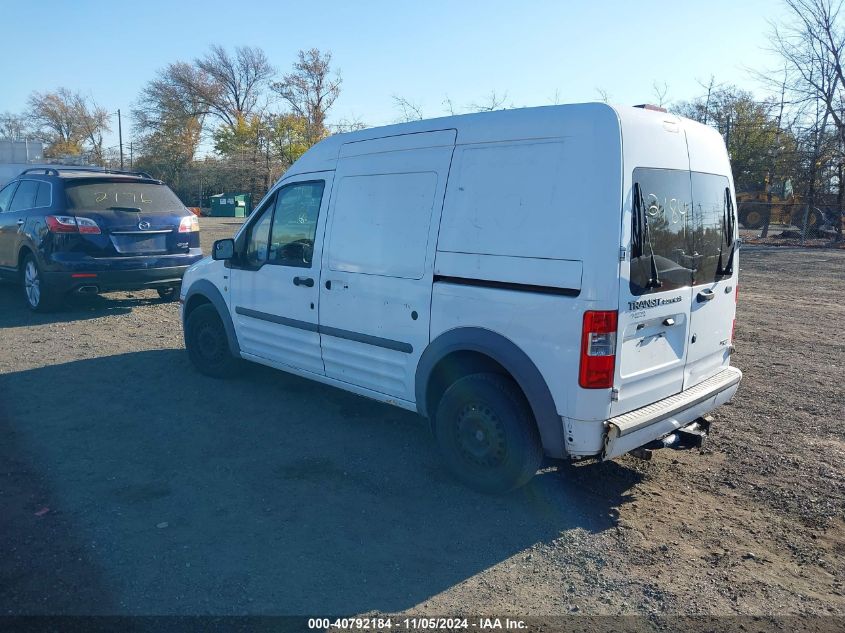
554,281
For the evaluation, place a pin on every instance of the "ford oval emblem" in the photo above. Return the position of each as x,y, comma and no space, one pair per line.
143,225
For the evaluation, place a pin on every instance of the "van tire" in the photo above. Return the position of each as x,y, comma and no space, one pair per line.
486,433
207,343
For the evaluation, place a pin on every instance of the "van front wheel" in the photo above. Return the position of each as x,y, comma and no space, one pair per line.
207,343
486,433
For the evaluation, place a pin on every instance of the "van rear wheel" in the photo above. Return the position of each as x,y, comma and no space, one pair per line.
207,343
486,433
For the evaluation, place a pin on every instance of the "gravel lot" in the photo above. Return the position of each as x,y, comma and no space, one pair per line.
130,484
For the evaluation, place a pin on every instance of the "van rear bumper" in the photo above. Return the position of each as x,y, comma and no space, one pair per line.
631,430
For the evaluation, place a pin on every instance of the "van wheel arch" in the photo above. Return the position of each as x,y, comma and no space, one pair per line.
463,351
202,292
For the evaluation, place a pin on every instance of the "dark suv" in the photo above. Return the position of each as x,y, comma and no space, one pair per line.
75,230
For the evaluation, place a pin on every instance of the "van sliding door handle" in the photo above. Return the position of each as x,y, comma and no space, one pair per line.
706,295
303,281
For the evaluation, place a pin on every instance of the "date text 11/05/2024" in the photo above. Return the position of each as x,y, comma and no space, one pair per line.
416,624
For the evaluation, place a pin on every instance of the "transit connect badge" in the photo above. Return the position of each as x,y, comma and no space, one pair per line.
652,303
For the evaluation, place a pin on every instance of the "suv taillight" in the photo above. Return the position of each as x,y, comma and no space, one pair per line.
598,349
71,224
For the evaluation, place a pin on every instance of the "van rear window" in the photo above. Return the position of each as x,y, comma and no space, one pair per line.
101,195
710,195
678,229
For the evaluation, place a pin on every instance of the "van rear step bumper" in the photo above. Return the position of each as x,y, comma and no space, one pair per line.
638,428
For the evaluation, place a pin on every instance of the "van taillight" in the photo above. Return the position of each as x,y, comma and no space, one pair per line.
598,349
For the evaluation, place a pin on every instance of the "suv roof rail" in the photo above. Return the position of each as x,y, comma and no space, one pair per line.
54,171
101,170
48,171
142,174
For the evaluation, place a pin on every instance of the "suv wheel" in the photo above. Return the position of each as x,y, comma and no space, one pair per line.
168,294
486,433
207,343
38,296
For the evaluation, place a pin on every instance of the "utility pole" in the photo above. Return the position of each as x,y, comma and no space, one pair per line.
131,162
120,137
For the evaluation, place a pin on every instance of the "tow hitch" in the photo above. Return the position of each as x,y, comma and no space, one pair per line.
690,436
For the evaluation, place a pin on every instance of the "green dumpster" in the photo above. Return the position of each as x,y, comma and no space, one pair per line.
231,205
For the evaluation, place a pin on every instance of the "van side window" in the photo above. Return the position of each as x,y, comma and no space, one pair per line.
24,196
661,228
6,196
259,236
380,224
295,223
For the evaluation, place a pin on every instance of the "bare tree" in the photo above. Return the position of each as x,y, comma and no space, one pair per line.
349,124
171,111
710,87
232,85
311,89
492,102
69,122
811,46
93,121
12,126
410,111
660,93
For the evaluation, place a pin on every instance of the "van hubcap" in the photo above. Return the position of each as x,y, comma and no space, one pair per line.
32,284
480,436
208,343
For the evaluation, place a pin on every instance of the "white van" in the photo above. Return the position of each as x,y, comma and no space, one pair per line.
558,280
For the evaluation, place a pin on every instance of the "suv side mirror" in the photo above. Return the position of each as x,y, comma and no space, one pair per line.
223,249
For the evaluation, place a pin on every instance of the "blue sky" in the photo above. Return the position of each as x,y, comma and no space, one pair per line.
535,52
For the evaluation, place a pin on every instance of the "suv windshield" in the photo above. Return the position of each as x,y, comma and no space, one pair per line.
100,195
678,229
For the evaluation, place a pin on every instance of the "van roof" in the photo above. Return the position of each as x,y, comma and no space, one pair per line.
500,125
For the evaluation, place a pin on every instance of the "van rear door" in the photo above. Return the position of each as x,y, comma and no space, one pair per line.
655,292
714,279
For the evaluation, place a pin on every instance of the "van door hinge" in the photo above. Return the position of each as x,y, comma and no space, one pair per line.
623,253
614,395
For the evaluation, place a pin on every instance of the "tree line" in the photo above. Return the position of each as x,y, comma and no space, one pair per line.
257,121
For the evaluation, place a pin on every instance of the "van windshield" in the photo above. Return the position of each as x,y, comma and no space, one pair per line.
100,195
678,227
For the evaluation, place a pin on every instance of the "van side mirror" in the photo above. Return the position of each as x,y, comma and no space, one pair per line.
223,249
